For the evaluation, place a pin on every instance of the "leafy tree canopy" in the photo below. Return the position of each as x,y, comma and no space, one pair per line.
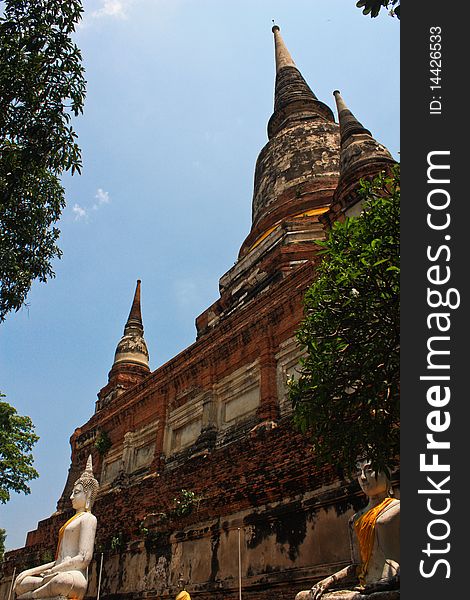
347,396
41,86
3,535
373,7
17,439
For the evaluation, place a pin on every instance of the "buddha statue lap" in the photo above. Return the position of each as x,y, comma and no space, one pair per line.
67,575
375,545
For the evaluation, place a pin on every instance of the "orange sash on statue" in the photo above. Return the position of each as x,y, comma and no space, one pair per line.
365,531
62,531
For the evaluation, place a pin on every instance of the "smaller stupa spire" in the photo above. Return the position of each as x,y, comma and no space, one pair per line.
131,359
132,348
282,54
348,123
361,157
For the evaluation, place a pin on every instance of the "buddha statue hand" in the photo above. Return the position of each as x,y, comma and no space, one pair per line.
22,575
390,583
34,572
317,591
47,575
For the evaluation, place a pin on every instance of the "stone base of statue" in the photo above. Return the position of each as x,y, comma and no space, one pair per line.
49,598
356,595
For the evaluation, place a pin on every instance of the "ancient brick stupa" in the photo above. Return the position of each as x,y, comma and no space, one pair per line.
200,454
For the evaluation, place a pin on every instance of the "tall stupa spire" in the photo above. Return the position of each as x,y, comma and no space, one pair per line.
297,170
282,54
294,101
295,179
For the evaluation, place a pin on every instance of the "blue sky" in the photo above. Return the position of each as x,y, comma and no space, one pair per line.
179,95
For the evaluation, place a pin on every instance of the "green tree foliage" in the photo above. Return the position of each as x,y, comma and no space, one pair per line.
347,396
41,86
3,535
185,503
103,443
17,439
373,7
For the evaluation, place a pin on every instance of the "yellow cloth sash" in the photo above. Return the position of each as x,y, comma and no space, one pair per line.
62,531
365,531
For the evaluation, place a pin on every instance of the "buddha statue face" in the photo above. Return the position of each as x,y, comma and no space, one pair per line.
85,489
79,497
372,483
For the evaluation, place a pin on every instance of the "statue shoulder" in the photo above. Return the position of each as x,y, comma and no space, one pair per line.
394,506
89,519
391,511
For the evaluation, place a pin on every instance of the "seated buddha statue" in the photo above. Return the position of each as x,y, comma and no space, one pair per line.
375,542
66,576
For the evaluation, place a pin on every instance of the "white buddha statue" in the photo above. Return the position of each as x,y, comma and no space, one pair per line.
375,541
67,576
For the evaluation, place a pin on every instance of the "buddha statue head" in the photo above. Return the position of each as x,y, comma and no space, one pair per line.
85,489
372,482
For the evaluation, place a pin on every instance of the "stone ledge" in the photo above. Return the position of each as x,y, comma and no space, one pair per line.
352,595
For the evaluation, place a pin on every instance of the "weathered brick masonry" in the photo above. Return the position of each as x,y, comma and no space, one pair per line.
216,419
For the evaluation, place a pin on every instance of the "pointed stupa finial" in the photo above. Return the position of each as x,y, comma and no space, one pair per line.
132,348
348,123
294,101
282,54
135,315
361,156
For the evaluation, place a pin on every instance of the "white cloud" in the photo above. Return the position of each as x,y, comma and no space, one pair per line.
80,212
106,11
102,197
112,8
